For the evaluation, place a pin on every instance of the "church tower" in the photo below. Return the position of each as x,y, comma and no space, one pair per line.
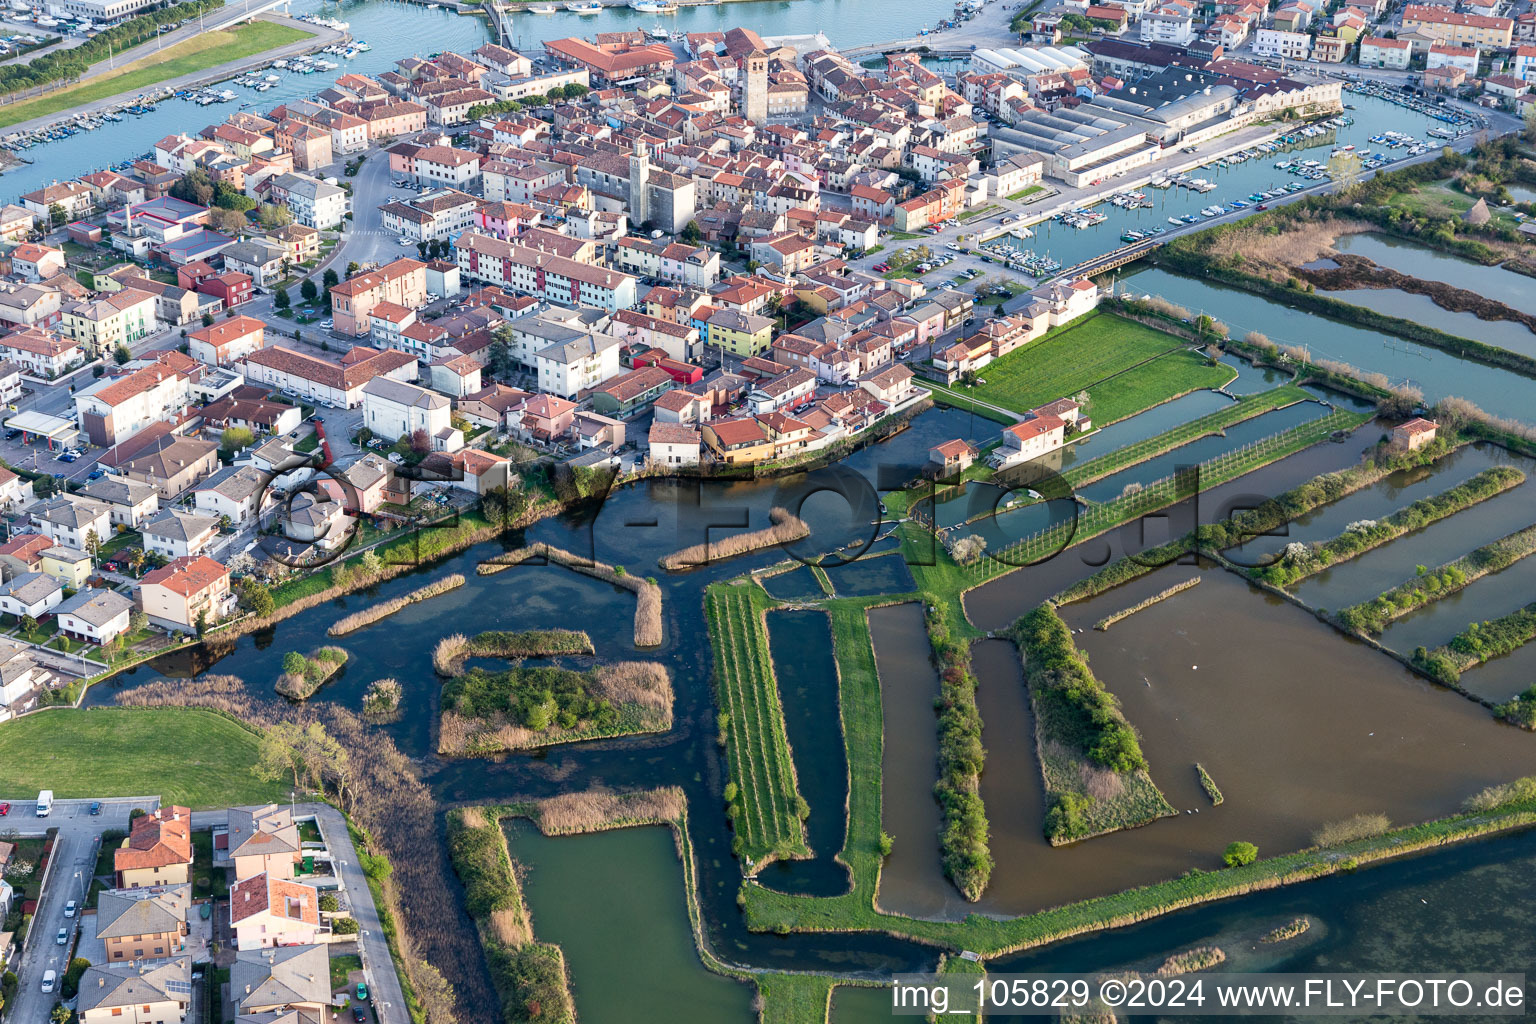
639,185
754,89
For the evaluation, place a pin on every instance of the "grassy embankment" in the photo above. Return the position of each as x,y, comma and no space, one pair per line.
766,808
368,616
1161,595
521,708
1095,775
787,528
1433,584
1301,561
1484,641
1124,367
197,54
648,625
188,756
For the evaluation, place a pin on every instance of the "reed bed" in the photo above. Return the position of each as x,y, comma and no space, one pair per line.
368,616
1209,785
593,810
382,697
449,654
640,691
1162,595
648,625
1351,830
1288,931
786,529
1197,959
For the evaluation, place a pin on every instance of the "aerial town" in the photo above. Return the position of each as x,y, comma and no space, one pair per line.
537,476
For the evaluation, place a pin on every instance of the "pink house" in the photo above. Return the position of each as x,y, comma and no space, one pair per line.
928,318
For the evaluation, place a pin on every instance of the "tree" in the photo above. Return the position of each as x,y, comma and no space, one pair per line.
235,438
420,442
330,279
93,546
555,95
207,319
692,234
421,248
499,355
329,903
309,289
257,597
194,187
352,268
273,217
57,214
231,222
77,967
280,299
1344,169
277,754
28,624
61,1014
121,354
1530,122
1240,853
574,90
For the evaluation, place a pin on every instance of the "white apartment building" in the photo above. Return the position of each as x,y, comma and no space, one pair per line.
113,409
314,203
543,275
1275,42
393,409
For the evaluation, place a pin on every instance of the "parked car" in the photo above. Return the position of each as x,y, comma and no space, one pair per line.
68,457
69,908
358,1013
63,937
95,808
12,434
49,977
5,809
362,991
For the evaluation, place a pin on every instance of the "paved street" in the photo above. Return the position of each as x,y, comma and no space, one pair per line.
74,857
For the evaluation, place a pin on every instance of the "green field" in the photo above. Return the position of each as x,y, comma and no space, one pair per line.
1124,366
197,54
757,747
184,755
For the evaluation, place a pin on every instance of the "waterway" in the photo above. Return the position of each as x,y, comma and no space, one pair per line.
912,881
1428,264
1437,373
1421,309
801,646
1492,596
1381,568
1503,678
614,902
1430,912
1071,245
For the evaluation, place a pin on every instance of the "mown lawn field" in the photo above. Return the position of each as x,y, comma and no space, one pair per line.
1124,366
184,755
197,54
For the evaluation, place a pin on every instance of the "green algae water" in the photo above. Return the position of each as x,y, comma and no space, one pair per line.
614,902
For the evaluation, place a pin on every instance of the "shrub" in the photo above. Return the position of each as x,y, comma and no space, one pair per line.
1355,827
344,926
1240,853
1521,790
1064,821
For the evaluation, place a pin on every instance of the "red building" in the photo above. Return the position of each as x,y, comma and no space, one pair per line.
683,373
190,275
232,287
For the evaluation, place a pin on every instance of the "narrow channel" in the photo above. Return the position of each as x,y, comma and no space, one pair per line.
800,643
912,881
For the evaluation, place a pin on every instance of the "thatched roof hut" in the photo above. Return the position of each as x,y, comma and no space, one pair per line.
1478,214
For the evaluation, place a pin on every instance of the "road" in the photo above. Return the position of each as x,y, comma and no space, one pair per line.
74,858
384,989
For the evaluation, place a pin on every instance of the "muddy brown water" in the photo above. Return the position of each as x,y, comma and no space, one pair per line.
912,881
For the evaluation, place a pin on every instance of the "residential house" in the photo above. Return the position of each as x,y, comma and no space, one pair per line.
155,994
402,281
234,492
33,262
951,457
188,589
23,553
128,503
1032,438
70,566
336,385
267,984
33,594
94,616
114,409
143,924
315,203
268,911
157,851
101,324
739,440
673,445
264,264
261,840
72,521
170,463
177,534
41,352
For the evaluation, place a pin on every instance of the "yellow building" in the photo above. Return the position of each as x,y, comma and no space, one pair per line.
101,324
738,441
1480,30
741,334
70,566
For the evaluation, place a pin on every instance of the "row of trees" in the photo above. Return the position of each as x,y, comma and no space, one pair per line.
569,91
71,62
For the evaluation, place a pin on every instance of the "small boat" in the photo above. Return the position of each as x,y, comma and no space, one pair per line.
1175,221
657,33
584,7
542,9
